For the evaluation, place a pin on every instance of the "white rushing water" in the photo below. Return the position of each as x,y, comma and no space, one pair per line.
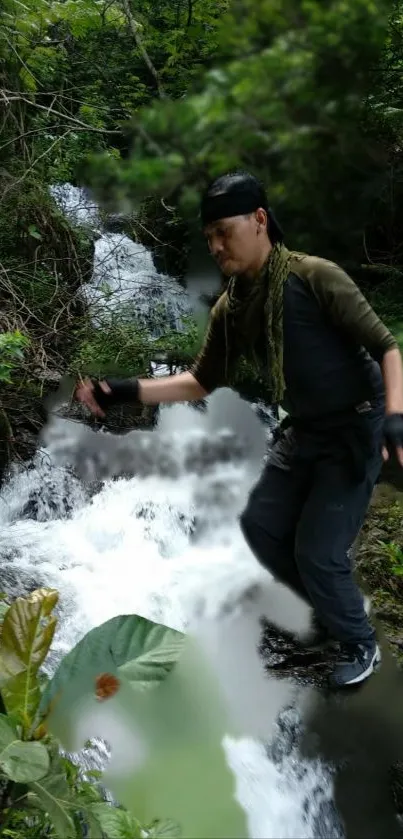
125,282
168,548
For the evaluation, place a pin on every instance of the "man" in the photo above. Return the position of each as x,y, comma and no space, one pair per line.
336,370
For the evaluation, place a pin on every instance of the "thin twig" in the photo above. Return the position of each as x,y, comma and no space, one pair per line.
12,185
190,13
134,26
12,47
14,96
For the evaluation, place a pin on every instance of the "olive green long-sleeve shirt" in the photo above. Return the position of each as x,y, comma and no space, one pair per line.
333,341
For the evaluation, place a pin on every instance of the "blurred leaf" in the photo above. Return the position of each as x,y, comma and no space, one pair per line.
28,80
24,762
165,830
27,634
52,795
34,232
179,766
141,651
3,609
7,732
116,823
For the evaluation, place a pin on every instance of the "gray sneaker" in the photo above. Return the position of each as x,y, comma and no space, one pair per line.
356,663
318,639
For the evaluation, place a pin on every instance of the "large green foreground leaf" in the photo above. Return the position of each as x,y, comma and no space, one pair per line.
172,762
132,647
26,636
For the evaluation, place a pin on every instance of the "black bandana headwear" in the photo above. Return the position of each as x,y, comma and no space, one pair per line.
237,194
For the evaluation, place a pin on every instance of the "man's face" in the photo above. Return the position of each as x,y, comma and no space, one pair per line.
234,243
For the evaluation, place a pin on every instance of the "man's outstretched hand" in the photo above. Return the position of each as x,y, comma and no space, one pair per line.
89,392
99,396
393,437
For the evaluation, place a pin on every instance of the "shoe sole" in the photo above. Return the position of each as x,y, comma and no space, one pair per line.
324,646
331,644
372,667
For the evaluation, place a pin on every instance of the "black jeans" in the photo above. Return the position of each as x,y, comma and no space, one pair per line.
303,516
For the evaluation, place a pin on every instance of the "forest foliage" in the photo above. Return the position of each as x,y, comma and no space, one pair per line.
144,101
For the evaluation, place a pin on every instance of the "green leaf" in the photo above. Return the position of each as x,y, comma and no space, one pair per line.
7,732
34,232
5,373
150,653
24,762
182,725
93,826
141,651
3,609
53,796
27,634
96,774
28,80
116,823
164,829
89,793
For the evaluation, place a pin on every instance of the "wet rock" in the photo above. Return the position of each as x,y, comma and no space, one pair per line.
358,732
50,493
147,513
284,655
327,821
182,523
120,223
289,727
55,507
118,420
208,452
16,582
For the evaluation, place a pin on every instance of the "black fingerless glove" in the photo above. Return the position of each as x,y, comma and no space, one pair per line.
122,391
393,431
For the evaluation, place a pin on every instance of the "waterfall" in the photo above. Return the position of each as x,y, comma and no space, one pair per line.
165,544
125,283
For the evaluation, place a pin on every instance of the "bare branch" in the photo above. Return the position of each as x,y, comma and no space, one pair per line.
134,26
17,55
11,186
190,13
22,136
14,96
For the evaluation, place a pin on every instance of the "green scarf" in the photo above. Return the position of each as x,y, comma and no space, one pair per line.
247,299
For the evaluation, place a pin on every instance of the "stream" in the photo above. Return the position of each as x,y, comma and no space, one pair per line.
150,545
146,523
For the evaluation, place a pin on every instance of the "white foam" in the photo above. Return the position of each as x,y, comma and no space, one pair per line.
129,550
124,281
